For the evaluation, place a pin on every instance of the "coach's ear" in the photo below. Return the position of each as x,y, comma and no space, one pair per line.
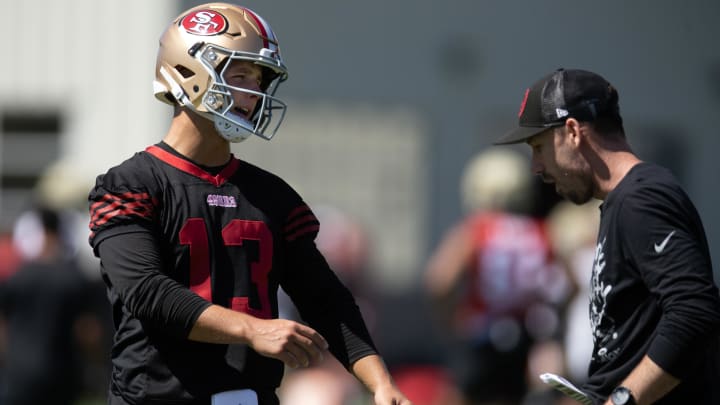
573,130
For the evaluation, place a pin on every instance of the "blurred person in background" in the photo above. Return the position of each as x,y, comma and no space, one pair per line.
573,230
63,186
494,280
428,384
49,323
654,306
194,243
11,258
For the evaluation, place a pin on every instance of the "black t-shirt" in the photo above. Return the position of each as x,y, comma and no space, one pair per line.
652,290
174,238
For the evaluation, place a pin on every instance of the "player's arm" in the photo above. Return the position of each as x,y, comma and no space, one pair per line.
447,264
294,344
124,205
132,268
371,371
326,304
336,315
445,269
322,300
132,264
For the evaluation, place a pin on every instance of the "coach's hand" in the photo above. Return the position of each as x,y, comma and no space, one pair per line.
293,343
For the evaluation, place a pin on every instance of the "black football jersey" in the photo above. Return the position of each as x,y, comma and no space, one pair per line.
230,239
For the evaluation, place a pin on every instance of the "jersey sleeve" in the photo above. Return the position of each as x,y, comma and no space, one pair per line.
122,201
667,246
321,298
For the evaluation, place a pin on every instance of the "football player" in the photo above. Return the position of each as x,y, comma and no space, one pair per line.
492,277
194,242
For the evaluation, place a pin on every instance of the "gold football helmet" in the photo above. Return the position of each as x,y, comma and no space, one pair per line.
497,179
194,52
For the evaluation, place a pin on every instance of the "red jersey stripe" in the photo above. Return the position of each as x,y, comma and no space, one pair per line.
126,204
297,211
110,202
265,32
190,168
303,231
100,219
309,218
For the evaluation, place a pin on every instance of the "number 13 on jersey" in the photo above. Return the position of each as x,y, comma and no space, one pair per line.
194,234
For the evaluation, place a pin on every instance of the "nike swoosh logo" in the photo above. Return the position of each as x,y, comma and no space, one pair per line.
659,248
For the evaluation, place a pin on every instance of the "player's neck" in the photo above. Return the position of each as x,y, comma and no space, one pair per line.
196,138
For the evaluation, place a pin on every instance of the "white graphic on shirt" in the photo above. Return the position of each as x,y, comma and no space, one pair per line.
659,248
603,326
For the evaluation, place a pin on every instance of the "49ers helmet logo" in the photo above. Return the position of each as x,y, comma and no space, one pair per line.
204,22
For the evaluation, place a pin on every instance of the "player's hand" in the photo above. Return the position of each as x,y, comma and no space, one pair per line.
293,343
390,395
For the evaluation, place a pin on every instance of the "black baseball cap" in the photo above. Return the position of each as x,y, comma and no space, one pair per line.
562,94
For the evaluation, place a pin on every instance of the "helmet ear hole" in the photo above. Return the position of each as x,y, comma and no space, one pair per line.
184,72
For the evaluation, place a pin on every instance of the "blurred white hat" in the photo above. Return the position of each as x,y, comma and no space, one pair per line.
497,179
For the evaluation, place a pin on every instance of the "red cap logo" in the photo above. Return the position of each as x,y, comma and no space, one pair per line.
524,101
204,22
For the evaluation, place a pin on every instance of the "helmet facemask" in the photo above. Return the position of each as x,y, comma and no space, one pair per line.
219,102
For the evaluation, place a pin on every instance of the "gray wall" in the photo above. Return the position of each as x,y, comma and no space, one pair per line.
463,65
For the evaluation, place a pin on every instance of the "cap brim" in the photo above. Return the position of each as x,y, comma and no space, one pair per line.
518,135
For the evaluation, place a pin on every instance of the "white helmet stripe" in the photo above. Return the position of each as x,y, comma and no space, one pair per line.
269,40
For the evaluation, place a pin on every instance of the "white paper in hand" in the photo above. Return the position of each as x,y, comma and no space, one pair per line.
566,387
237,397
